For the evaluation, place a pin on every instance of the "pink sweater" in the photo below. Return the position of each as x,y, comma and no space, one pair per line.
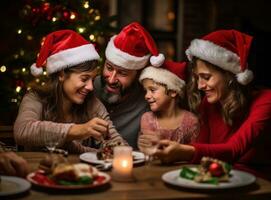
185,133
247,145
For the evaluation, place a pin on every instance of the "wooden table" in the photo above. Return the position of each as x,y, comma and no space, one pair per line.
148,185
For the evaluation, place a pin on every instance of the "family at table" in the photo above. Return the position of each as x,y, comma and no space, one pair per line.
208,106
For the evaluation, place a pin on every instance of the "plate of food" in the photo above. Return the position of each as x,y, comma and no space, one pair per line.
210,174
11,185
105,154
93,158
67,176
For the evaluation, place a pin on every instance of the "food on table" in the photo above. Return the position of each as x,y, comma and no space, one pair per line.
74,173
69,175
106,150
210,171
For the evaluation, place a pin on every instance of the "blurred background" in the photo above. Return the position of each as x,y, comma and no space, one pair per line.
172,23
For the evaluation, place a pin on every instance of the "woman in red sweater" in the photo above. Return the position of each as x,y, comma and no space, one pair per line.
235,119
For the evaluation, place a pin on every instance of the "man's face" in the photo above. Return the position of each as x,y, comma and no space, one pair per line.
116,82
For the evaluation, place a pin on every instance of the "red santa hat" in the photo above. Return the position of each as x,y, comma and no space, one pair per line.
227,49
133,48
172,74
63,49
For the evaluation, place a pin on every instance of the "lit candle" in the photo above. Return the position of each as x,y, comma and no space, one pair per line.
122,163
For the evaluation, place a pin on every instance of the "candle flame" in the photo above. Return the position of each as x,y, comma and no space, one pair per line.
124,163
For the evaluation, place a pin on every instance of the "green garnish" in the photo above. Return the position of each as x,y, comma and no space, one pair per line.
84,180
188,173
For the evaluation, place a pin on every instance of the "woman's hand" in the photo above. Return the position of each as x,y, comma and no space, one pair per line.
170,151
13,165
96,128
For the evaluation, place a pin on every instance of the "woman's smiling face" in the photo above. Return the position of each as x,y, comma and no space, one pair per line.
211,81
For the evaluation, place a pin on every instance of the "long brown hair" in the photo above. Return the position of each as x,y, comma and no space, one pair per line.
51,95
235,105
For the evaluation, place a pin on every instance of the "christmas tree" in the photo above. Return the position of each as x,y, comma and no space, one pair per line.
34,20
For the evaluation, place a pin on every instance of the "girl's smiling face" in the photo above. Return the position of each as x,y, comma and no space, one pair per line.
156,95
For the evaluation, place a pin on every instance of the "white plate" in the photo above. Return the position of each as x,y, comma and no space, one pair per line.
11,185
237,179
91,157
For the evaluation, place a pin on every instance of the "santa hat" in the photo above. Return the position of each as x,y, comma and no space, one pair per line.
132,48
227,49
172,74
63,49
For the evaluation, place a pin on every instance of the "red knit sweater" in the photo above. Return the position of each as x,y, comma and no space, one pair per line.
247,146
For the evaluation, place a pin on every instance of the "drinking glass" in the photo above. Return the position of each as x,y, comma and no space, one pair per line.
51,144
150,145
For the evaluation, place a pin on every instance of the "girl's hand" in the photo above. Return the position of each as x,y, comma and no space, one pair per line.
170,151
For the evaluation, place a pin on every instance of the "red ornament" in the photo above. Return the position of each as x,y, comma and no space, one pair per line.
35,10
66,15
216,169
45,7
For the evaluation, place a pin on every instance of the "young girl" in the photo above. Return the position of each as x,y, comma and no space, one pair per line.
64,110
165,93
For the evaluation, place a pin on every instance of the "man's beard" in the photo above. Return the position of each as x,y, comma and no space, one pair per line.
113,98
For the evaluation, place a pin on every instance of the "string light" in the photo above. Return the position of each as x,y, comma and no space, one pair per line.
23,70
29,37
18,89
73,16
91,11
14,100
44,73
54,19
97,18
86,4
19,31
81,29
3,68
92,37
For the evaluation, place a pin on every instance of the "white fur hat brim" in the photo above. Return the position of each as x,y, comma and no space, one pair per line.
123,59
71,57
163,76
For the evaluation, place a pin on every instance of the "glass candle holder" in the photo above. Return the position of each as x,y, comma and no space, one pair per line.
122,163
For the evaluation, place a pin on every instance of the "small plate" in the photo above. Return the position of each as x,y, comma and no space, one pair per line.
101,180
237,179
91,157
11,185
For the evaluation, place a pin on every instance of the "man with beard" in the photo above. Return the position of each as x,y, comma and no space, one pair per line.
118,88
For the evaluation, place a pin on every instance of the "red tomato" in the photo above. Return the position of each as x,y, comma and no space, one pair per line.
42,179
216,169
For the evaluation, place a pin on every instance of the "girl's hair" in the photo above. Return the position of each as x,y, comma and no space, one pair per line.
51,95
235,106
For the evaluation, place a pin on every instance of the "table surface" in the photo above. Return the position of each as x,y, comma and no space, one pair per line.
147,185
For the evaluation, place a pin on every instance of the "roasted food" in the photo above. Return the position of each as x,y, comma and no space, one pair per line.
74,172
210,170
106,150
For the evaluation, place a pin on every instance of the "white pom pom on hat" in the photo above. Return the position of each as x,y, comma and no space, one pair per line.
157,61
36,71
